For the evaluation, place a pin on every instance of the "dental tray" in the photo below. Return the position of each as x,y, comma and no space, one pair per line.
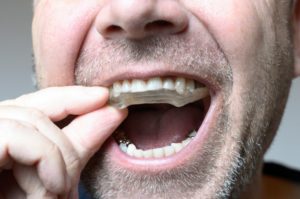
124,100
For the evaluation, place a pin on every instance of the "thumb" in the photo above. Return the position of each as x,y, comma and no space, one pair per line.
88,132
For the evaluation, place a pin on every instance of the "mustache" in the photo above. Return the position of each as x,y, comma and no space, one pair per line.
199,55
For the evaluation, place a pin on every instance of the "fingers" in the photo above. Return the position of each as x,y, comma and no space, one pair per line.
28,135
88,132
80,140
26,146
59,102
30,183
45,127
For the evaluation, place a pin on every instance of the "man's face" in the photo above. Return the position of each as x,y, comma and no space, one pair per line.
240,50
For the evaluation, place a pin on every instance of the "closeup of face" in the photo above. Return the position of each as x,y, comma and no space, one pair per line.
240,50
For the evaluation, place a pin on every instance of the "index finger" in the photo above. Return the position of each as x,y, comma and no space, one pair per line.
59,102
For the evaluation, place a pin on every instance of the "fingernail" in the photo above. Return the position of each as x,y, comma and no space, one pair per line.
96,91
122,112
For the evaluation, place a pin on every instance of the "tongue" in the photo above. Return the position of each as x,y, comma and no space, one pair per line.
154,126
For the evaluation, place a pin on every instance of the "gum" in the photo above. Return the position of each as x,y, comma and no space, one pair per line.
157,97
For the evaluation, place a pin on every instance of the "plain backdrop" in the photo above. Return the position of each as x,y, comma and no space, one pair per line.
16,78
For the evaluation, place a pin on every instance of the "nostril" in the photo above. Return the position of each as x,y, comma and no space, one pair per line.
139,19
159,25
113,29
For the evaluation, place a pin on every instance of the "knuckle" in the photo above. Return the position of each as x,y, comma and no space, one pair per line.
49,91
9,124
7,102
53,149
38,115
41,192
21,99
73,162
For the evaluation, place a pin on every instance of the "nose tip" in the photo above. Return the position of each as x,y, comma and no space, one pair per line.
136,19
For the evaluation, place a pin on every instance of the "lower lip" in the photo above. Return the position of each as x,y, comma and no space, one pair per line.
167,163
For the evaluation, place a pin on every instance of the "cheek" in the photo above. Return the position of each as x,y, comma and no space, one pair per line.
238,29
242,36
234,24
59,28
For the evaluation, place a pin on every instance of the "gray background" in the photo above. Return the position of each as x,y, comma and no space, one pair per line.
16,77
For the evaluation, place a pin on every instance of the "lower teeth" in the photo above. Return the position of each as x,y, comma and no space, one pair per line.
131,150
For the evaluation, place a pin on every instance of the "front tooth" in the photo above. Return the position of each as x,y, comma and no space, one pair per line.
158,153
177,146
180,85
117,89
138,86
130,150
169,150
154,84
148,153
126,86
168,84
190,85
138,153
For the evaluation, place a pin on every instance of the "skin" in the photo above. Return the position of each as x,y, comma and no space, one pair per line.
60,153
245,48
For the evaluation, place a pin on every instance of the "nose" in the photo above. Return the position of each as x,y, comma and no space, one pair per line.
137,19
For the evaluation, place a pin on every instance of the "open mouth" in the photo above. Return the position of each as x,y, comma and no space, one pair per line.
165,115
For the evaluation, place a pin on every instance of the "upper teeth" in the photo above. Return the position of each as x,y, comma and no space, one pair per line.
179,91
180,85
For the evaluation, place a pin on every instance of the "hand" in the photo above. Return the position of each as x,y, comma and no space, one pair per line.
40,160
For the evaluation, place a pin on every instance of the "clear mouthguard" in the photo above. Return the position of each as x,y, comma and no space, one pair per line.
123,100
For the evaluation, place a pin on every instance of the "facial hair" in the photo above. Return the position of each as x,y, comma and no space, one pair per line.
228,160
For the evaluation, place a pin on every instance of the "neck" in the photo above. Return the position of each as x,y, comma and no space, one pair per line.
254,190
